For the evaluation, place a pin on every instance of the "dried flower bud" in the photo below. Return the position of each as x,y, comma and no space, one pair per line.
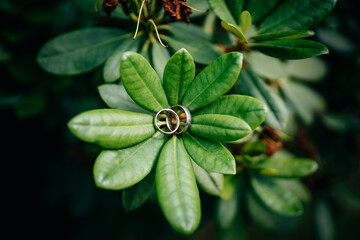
177,10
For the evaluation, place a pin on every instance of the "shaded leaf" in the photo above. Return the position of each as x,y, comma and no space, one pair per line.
112,128
111,71
310,69
214,81
115,96
119,169
135,196
275,197
178,75
296,15
247,108
211,183
79,51
252,85
160,55
185,31
218,127
289,168
291,48
142,83
176,187
212,156
202,52
260,8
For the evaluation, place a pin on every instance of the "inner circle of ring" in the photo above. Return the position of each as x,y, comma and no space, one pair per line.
188,118
177,119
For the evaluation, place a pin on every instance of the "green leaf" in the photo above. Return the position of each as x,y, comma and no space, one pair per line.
291,48
112,128
234,30
222,10
119,169
267,67
115,96
184,31
252,85
288,168
247,108
230,185
111,71
305,101
203,52
245,22
235,7
178,75
142,83
218,127
160,56
79,51
291,34
214,81
212,156
211,183
260,8
324,221
275,197
266,219
176,187
135,196
227,210
310,69
254,148
296,15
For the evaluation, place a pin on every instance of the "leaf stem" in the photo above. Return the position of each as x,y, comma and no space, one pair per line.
138,20
157,33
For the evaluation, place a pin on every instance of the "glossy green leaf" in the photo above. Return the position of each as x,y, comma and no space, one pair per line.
214,81
275,197
247,108
291,34
296,15
178,75
176,187
142,83
288,168
112,128
304,100
234,30
135,196
203,52
111,71
211,183
252,85
245,22
210,155
291,48
218,127
160,56
116,97
119,169
267,67
222,10
79,51
260,8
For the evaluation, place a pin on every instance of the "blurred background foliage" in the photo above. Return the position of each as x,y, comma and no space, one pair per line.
48,173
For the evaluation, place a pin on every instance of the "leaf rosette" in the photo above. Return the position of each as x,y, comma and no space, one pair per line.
136,156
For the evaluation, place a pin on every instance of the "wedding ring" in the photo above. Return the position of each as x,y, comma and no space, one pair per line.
188,118
168,124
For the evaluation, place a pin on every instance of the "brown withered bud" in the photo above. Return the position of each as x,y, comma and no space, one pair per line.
271,139
109,6
177,10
